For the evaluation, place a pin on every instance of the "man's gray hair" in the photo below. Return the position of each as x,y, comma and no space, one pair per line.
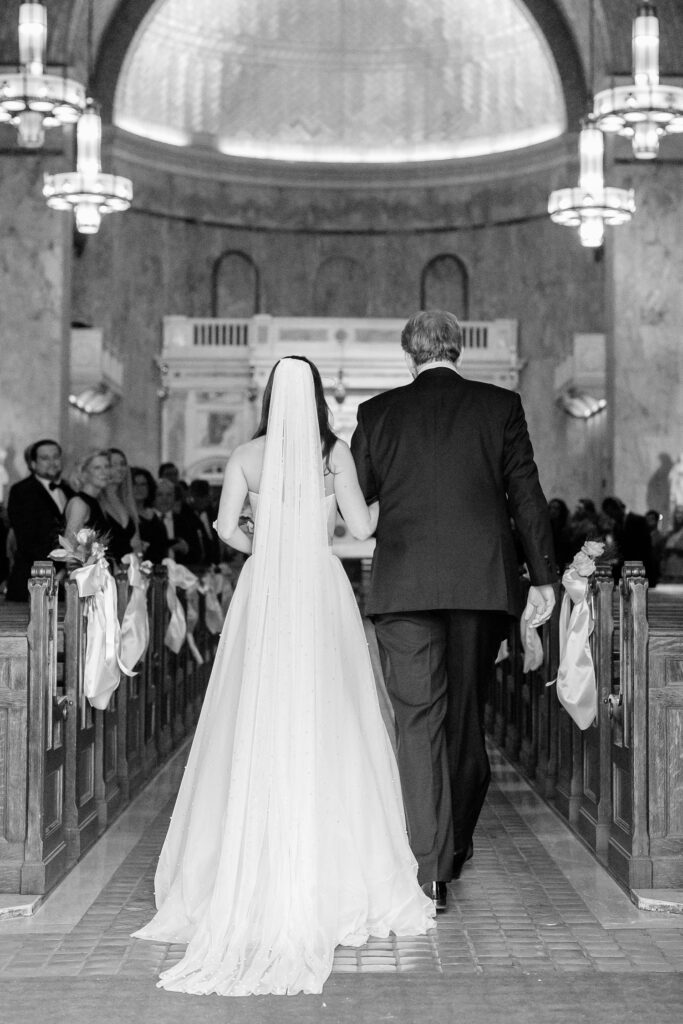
432,335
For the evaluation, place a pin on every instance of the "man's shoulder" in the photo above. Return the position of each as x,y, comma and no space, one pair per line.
489,392
22,487
385,399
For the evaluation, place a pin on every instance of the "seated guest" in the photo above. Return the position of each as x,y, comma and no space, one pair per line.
181,525
169,471
119,506
4,545
672,550
653,519
153,536
36,513
562,534
583,524
206,511
632,538
84,508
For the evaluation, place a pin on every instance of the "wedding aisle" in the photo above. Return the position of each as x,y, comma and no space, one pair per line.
533,924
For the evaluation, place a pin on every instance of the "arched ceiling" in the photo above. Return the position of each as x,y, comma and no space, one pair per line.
564,24
341,81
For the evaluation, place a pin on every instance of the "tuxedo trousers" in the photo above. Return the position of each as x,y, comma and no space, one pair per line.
438,667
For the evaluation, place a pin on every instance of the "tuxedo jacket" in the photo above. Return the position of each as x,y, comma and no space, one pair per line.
37,524
451,463
186,526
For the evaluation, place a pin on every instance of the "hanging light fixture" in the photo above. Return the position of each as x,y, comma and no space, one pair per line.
593,204
87,191
645,110
31,99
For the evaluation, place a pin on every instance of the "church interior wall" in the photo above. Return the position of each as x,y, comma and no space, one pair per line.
34,299
159,259
645,318
192,206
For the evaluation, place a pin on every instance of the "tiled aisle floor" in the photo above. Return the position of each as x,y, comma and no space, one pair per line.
531,908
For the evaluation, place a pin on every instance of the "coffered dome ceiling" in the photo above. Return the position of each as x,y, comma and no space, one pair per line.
341,80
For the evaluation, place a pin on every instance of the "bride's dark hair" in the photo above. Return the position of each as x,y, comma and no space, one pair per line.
327,435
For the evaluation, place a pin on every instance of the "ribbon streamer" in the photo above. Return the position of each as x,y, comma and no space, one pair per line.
531,645
135,624
102,666
179,628
214,615
576,689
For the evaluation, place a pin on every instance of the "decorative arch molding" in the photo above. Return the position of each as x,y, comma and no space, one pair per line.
128,15
242,296
444,284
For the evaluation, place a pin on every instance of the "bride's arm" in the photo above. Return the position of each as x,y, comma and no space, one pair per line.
360,519
231,504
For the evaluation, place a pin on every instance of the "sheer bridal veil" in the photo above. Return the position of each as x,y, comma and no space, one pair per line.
288,834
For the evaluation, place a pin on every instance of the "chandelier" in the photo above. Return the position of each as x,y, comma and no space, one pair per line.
645,110
31,99
88,191
591,205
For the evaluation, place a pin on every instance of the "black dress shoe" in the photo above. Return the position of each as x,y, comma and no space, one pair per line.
460,857
437,892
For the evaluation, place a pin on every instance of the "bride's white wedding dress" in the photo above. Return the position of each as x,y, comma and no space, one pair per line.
288,835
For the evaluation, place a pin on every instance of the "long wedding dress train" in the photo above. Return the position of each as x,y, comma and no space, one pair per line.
288,835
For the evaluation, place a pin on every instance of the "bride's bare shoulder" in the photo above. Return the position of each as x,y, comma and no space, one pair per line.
249,451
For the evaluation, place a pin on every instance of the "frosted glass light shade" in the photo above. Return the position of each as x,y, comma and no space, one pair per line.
645,46
31,99
32,37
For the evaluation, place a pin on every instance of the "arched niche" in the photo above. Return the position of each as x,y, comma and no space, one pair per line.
235,286
444,284
340,288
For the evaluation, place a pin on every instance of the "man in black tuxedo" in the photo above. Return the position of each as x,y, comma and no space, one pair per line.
450,461
183,541
205,511
36,513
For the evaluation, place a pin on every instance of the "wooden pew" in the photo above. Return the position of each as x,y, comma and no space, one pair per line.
72,769
619,783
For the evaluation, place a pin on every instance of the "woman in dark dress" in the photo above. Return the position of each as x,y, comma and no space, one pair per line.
119,507
152,532
84,509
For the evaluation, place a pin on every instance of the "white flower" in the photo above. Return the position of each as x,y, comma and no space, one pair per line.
593,548
584,565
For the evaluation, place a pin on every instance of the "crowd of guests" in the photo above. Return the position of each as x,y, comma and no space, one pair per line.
627,536
165,517
134,511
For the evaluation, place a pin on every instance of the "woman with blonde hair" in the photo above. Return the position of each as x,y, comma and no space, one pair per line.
90,481
120,508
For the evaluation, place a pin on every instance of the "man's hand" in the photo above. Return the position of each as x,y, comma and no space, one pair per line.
539,604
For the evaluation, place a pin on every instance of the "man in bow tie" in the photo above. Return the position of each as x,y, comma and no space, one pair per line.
36,513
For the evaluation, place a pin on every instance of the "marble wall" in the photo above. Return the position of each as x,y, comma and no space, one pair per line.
645,333
157,259
34,311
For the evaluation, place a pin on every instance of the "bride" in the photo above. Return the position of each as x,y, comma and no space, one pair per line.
288,836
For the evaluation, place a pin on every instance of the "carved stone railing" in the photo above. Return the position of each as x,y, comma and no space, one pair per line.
213,372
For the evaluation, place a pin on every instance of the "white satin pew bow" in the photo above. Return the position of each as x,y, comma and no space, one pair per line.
214,614
576,689
135,624
102,666
179,628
